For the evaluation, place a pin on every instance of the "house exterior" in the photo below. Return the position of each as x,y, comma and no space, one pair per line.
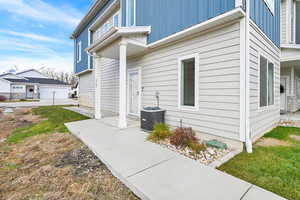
215,64
31,84
290,56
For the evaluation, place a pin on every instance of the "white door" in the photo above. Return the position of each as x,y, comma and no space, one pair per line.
283,94
134,92
30,92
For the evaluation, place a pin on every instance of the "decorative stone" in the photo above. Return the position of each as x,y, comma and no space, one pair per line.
216,144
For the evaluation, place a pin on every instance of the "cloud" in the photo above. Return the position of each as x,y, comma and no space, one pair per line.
32,36
14,44
58,63
41,11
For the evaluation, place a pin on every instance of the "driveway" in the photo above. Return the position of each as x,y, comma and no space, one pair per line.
156,173
40,103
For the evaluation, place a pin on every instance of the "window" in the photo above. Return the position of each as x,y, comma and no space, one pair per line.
266,82
78,58
271,5
188,82
130,8
116,20
106,27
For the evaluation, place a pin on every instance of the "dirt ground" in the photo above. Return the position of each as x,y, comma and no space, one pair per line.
52,166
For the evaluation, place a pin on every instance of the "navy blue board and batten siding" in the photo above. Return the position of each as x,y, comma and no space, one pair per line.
167,17
267,21
84,38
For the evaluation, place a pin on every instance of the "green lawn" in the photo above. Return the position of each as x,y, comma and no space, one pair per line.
276,169
55,117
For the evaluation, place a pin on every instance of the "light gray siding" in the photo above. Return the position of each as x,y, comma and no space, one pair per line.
109,85
219,81
262,120
87,89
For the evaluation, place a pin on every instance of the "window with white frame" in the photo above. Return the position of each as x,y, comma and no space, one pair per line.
130,8
106,27
271,5
116,20
188,82
266,82
78,51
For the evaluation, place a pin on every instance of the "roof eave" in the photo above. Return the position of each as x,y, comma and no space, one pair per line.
92,11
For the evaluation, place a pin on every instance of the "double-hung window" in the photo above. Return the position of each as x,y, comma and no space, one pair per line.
130,12
106,27
266,82
188,82
78,52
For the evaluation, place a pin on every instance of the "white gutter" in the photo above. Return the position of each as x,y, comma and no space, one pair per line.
248,141
115,33
83,72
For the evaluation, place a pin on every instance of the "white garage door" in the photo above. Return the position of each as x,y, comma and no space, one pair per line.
49,92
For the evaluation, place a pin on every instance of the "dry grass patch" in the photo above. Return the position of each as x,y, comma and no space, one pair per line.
271,142
54,165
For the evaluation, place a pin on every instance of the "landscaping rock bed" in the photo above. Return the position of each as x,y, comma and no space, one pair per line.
289,123
83,161
205,157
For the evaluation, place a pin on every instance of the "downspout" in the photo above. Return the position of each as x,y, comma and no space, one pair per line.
248,141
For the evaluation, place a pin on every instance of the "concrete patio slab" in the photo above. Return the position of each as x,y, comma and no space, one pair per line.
156,173
255,192
184,178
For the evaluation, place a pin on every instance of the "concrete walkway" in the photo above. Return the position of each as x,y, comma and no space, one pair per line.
156,173
39,103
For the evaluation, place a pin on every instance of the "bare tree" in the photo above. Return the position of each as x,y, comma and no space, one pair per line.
69,78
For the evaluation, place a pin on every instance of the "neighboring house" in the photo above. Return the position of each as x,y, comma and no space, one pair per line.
290,55
215,63
32,84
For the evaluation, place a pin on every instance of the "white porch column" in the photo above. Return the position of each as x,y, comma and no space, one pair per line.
292,80
123,86
97,87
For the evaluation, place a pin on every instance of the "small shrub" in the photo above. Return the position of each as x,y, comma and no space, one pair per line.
197,147
2,98
182,137
161,132
186,138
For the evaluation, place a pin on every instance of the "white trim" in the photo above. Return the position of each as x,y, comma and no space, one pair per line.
268,40
270,5
243,76
248,141
115,33
134,13
131,70
269,60
197,63
119,19
107,12
89,43
286,92
291,46
238,3
84,72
